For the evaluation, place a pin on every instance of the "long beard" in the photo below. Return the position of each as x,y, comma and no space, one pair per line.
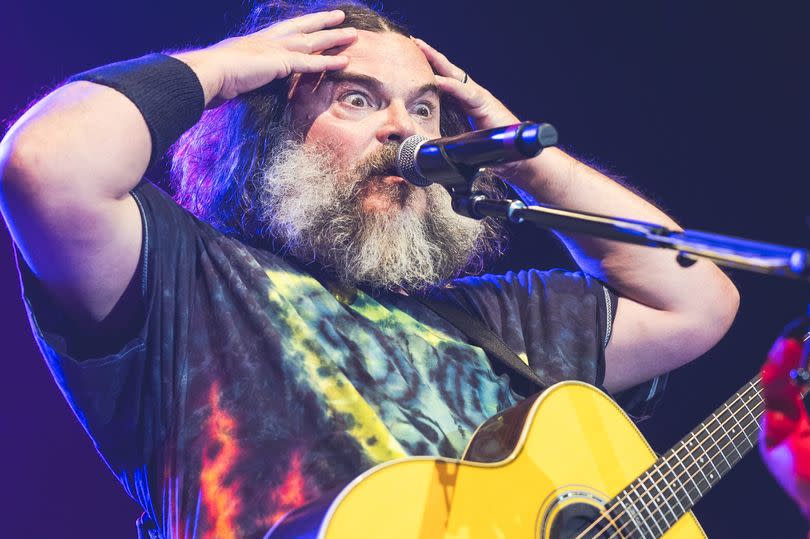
316,212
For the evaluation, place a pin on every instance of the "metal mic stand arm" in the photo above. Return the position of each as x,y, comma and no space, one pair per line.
691,245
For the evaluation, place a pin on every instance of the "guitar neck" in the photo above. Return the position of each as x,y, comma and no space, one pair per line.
671,486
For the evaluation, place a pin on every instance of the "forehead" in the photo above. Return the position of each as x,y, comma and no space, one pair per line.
390,57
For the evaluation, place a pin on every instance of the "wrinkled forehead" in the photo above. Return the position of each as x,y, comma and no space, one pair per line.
389,57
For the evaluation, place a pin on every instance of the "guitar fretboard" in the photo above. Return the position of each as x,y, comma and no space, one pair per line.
651,504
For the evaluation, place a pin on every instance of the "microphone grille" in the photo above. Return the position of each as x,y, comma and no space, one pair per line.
406,161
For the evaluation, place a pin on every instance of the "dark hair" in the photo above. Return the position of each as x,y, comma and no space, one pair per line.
217,164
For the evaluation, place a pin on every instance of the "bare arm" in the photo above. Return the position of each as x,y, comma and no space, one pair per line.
67,166
667,315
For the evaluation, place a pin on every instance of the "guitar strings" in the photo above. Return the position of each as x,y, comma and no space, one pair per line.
667,498
756,385
686,470
605,513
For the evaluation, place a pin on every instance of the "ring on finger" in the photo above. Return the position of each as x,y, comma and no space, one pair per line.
466,77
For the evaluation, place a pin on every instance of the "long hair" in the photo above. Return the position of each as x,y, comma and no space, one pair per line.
217,165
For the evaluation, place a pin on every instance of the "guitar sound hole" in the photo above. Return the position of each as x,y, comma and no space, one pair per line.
573,520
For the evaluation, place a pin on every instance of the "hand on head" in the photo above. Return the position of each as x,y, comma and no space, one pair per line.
481,106
240,64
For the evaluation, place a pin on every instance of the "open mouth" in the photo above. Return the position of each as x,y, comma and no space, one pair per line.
389,185
388,175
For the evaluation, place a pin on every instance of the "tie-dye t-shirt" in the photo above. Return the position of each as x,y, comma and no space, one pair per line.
252,387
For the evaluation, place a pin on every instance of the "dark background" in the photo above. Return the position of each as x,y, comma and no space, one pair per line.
702,107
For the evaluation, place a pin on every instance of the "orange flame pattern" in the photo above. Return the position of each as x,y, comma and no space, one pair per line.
221,450
293,491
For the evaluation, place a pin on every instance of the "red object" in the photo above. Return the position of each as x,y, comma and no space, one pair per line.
785,436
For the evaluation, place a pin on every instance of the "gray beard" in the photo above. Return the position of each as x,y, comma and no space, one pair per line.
314,210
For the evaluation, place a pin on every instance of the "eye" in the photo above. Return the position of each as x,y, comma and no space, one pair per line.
425,109
356,99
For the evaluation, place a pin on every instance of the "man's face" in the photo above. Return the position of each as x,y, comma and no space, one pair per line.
386,94
336,199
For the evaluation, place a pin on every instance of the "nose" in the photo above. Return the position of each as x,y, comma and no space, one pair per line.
397,125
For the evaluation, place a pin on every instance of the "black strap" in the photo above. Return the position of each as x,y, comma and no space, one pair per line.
527,381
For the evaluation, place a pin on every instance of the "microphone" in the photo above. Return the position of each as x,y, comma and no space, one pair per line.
452,160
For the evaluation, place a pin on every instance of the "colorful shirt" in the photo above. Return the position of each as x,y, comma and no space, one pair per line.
252,387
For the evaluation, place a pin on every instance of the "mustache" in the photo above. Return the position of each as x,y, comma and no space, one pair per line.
383,162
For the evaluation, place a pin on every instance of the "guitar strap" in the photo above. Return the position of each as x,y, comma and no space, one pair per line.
522,378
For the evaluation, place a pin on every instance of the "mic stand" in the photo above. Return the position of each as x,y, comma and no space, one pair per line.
691,245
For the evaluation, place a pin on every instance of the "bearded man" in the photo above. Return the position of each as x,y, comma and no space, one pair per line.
237,354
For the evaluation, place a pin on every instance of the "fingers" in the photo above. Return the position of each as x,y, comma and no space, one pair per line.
308,23
303,50
315,63
449,77
482,107
439,61
469,94
321,40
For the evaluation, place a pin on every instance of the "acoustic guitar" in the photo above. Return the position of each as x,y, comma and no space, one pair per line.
567,463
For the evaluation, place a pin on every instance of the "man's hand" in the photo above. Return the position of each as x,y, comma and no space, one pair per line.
484,109
241,64
481,106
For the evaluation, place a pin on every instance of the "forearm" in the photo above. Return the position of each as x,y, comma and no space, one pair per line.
667,314
648,276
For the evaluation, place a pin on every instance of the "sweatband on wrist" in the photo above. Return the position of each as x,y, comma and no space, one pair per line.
166,91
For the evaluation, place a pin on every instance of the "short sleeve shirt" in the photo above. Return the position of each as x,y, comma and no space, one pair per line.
253,387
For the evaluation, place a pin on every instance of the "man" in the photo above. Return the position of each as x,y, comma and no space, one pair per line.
235,365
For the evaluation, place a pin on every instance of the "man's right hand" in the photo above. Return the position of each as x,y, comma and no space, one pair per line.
241,64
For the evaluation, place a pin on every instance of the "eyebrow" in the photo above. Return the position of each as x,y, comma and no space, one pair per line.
374,83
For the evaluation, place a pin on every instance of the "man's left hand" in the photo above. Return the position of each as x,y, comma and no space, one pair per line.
484,109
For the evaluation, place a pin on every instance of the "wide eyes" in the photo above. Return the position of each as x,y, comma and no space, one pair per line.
358,101
424,110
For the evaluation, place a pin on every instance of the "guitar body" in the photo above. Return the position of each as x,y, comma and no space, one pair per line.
525,474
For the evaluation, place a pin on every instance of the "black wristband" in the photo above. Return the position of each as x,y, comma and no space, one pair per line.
166,91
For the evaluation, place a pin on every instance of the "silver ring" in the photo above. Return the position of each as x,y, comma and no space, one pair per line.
465,78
